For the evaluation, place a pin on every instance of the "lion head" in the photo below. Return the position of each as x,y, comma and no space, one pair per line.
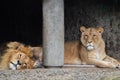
19,60
91,37
17,56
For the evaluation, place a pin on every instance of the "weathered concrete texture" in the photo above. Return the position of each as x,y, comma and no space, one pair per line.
62,74
110,78
53,33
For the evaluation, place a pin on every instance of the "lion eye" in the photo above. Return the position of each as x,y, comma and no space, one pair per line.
86,36
94,36
19,56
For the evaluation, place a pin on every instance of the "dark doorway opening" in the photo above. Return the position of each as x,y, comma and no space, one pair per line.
21,21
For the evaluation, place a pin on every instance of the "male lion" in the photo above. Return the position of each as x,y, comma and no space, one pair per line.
16,57
89,50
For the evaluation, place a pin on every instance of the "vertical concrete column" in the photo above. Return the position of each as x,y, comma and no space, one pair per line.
53,33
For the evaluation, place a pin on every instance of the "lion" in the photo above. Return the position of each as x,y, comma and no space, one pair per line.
16,57
89,50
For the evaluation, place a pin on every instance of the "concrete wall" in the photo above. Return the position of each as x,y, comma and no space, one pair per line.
53,33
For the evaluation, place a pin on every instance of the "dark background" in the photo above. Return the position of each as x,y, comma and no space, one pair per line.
21,20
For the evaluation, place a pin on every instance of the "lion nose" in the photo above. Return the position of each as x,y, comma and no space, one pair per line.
18,62
89,41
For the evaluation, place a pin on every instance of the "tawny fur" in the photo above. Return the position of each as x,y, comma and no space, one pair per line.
81,53
11,54
14,45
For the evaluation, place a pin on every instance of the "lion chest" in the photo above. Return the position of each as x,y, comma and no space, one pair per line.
95,55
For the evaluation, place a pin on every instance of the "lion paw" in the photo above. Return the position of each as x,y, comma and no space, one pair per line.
118,66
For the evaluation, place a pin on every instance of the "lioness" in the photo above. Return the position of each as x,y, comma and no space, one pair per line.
89,50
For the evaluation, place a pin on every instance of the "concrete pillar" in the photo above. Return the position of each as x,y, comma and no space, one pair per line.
53,33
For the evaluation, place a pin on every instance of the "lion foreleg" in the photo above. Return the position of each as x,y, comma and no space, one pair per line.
112,60
101,63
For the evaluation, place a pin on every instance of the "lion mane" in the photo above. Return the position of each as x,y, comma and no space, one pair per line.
17,56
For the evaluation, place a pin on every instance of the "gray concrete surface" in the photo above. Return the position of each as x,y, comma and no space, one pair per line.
61,74
53,33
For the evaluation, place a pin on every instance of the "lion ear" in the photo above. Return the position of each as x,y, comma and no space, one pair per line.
100,29
82,28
